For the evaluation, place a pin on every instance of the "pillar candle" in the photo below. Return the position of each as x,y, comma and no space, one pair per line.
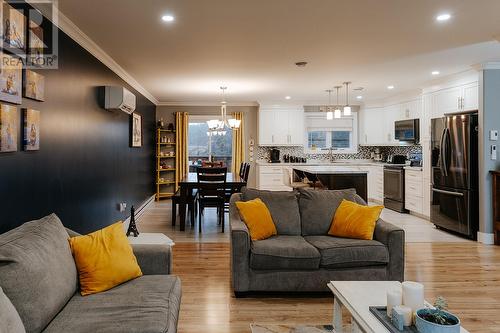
413,295
394,297
406,312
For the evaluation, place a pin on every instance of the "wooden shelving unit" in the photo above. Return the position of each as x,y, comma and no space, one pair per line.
166,182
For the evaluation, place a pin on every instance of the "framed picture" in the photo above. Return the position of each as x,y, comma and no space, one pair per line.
136,129
13,28
34,85
8,128
31,133
11,69
35,44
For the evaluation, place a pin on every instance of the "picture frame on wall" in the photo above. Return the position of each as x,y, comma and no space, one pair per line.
36,44
13,30
136,131
31,132
11,68
8,128
34,85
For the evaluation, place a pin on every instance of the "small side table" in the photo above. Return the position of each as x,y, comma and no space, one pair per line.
151,238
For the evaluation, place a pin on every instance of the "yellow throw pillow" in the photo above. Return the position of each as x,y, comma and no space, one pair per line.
257,218
104,259
352,220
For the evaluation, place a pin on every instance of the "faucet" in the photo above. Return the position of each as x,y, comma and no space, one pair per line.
330,153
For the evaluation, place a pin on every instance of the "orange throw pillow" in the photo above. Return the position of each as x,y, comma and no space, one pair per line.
352,220
258,219
104,259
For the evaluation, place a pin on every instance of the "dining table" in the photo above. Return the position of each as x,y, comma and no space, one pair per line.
234,183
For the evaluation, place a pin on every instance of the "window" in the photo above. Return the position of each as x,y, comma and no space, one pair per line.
201,145
339,135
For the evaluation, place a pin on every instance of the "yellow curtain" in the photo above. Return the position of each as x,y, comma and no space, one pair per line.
181,139
238,144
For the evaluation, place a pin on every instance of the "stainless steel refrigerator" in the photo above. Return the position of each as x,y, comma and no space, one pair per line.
454,197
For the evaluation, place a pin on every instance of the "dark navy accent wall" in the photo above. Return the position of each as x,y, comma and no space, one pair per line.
85,165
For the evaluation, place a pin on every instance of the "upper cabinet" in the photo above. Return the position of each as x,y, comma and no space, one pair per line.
377,124
455,99
281,127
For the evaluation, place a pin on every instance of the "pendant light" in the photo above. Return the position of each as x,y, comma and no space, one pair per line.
347,108
329,112
216,126
337,113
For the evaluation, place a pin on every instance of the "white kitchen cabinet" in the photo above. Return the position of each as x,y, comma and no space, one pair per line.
272,177
376,183
281,127
455,99
414,191
372,122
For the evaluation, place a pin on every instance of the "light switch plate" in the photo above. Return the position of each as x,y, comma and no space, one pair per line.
494,135
493,152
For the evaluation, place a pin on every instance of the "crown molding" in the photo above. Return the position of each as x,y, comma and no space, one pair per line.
70,28
206,104
487,65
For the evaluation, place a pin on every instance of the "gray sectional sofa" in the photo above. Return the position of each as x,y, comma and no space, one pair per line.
302,257
39,278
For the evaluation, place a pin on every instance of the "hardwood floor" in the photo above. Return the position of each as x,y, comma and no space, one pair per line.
466,273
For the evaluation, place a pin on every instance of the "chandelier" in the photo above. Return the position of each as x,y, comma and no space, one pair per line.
217,126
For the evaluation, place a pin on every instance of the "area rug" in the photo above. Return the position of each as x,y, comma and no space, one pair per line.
284,328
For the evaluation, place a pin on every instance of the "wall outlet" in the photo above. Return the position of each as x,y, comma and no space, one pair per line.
494,135
493,152
122,206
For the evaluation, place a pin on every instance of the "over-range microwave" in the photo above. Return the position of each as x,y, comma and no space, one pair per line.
407,130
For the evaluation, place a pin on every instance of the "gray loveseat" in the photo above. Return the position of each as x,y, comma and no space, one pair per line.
302,257
38,275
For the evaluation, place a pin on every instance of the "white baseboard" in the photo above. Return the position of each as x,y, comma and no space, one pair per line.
139,211
485,238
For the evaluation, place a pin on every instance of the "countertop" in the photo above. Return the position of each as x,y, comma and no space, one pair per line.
353,163
328,169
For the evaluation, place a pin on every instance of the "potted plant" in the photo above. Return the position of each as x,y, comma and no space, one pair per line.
437,320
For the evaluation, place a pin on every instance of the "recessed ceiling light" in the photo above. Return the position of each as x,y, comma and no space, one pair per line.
167,18
443,17
435,72
359,97
288,97
390,87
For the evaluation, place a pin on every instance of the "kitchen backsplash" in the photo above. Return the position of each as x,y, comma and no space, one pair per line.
364,152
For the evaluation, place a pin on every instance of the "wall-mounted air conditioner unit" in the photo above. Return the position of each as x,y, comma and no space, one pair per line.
119,98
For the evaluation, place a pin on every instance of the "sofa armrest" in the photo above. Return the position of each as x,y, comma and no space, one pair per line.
154,259
240,247
394,238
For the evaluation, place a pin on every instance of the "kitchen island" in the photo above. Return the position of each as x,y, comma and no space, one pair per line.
338,177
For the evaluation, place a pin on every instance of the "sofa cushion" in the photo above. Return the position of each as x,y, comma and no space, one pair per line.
345,252
10,322
284,208
283,253
148,304
317,208
37,271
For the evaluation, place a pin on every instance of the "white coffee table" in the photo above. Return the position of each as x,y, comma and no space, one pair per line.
151,238
357,297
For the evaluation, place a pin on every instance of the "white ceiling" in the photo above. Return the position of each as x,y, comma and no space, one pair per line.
251,46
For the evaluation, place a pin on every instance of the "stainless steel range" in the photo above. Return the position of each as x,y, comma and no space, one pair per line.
394,184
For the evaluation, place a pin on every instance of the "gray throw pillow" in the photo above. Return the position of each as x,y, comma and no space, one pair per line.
37,270
317,208
282,205
10,322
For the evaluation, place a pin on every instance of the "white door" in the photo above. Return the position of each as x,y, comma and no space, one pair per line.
447,101
470,96
296,127
266,128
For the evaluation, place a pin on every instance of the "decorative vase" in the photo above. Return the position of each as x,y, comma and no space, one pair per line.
425,326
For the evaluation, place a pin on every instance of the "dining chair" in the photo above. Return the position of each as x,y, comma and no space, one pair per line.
191,204
314,181
211,192
288,179
246,172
